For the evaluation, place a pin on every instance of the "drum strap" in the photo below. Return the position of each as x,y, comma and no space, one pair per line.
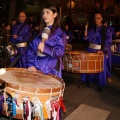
21,28
58,64
103,36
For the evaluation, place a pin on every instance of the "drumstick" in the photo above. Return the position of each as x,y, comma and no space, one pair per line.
44,37
86,27
45,34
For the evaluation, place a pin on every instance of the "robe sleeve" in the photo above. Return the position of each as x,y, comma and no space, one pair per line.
108,41
31,53
59,48
86,37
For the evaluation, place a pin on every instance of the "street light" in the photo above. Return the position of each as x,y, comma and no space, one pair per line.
70,5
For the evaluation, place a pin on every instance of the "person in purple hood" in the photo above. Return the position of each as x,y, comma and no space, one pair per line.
97,44
46,55
20,36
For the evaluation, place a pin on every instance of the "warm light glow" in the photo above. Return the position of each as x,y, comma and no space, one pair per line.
72,5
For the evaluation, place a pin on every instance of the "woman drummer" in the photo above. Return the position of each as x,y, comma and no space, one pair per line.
44,53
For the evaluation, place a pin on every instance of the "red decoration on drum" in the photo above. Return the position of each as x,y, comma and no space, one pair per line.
76,65
62,104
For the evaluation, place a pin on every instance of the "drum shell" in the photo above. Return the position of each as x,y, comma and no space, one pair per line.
83,62
68,48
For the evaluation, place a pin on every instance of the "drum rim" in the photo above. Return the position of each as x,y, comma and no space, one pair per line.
38,72
116,40
83,52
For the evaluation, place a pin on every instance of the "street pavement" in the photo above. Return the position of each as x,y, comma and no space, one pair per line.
108,100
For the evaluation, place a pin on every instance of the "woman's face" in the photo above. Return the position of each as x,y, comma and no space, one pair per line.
48,16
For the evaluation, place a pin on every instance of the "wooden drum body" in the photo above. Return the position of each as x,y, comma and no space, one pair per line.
83,62
68,47
33,86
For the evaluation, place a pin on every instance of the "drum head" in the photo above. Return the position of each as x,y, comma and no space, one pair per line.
22,77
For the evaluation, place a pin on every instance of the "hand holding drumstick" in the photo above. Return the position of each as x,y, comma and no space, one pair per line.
86,27
45,35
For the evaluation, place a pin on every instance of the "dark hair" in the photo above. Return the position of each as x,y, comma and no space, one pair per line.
99,12
13,20
56,20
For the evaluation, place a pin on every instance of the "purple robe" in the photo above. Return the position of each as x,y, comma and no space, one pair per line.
94,36
53,51
23,36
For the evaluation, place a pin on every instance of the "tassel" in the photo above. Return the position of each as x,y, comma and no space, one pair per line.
45,112
48,108
61,102
27,109
14,108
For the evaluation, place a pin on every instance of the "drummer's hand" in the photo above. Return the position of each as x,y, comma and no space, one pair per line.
15,36
85,33
41,46
32,68
99,52
106,56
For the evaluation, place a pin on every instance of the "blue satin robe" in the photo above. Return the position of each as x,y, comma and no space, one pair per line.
54,49
94,36
23,36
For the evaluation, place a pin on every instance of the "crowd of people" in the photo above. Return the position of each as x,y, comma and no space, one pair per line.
45,54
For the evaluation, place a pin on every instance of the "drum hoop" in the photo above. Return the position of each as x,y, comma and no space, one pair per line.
84,52
117,40
38,72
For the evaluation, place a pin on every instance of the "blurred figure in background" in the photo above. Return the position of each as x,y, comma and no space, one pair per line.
69,34
7,33
2,29
20,36
13,23
35,33
105,23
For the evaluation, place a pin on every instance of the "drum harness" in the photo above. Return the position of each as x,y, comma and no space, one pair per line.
103,36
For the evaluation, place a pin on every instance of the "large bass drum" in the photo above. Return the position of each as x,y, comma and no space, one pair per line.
28,91
83,62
